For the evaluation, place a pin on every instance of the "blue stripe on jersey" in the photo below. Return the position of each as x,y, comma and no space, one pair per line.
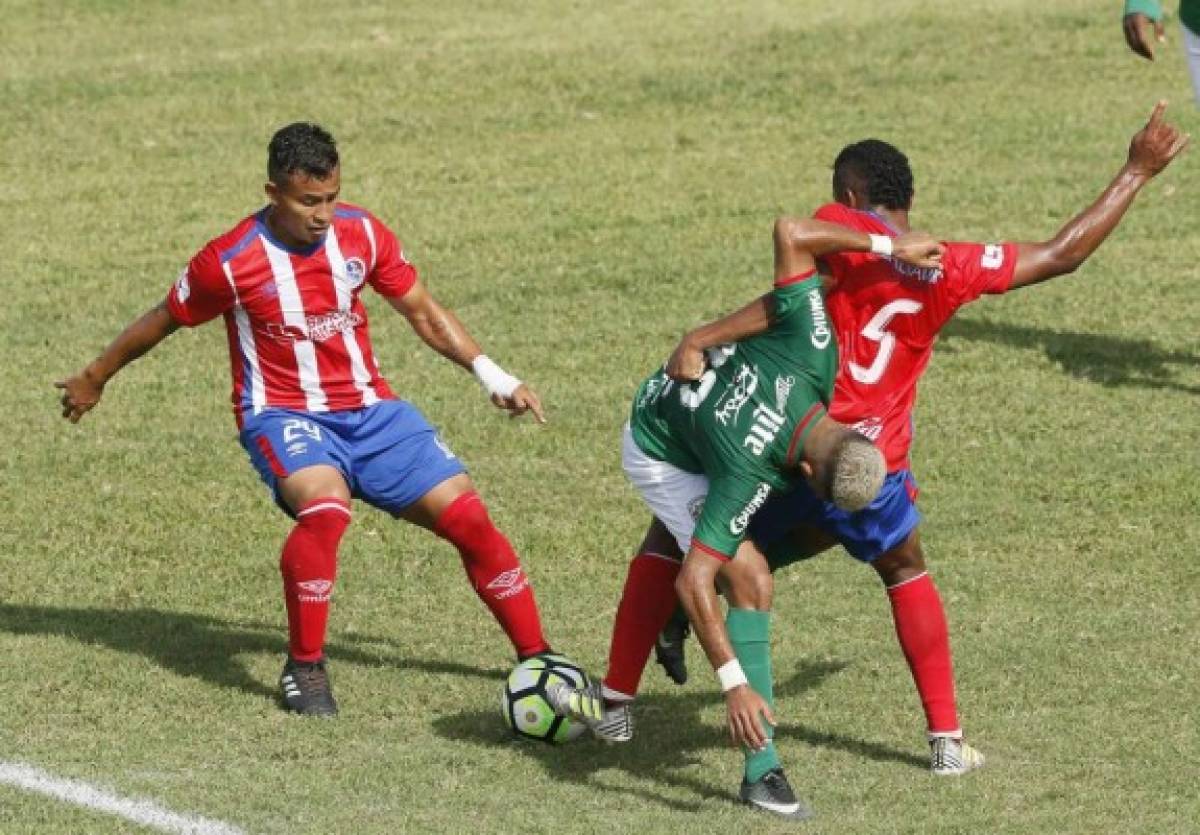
247,239
260,221
348,214
247,404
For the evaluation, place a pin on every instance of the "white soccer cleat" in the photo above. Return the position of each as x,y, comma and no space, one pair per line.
617,724
951,757
584,704
609,721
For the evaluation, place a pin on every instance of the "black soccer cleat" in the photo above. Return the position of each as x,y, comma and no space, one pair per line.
772,793
304,688
668,648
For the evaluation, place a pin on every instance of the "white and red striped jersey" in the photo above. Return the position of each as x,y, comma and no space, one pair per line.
887,316
297,329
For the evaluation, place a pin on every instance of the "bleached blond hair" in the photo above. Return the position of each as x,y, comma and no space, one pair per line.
857,472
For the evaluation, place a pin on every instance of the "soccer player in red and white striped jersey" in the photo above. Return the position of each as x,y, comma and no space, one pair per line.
316,417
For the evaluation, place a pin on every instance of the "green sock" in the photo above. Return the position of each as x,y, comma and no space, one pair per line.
750,634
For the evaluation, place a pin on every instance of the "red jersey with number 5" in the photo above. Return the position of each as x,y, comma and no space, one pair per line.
887,316
297,328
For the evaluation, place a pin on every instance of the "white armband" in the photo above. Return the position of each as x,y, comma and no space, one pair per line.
881,244
731,675
494,378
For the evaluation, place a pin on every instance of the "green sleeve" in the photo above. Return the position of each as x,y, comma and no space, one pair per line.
731,503
1150,8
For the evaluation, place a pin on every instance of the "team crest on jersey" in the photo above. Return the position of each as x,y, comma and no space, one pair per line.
356,270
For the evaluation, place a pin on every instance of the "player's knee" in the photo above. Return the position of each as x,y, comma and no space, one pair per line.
748,589
325,518
466,523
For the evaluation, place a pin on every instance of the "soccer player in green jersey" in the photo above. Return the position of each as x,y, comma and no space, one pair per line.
753,424
1144,17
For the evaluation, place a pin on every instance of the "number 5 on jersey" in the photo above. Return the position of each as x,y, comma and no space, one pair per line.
876,331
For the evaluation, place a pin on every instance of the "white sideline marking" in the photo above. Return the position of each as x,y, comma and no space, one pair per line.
144,812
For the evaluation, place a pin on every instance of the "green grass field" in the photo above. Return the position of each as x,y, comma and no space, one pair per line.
581,183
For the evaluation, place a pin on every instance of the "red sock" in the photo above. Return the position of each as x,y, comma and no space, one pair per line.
494,570
309,568
646,605
921,628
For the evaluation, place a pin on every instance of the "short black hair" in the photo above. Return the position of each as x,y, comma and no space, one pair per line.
303,147
877,168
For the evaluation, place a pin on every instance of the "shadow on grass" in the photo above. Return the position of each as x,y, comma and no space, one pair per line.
203,647
1099,358
669,737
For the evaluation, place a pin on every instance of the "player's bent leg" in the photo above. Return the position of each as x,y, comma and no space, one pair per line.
455,512
647,601
924,637
320,502
749,588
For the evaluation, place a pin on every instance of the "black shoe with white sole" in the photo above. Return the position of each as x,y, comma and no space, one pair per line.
772,793
304,688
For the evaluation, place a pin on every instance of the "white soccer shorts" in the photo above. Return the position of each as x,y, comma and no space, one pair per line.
675,496
1191,48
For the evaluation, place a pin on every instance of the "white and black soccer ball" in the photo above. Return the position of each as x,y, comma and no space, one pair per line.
525,707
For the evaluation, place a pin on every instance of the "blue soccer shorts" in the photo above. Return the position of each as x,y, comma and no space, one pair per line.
388,453
867,534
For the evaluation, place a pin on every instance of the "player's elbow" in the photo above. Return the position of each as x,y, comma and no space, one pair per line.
793,231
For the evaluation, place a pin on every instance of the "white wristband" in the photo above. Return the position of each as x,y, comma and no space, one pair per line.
881,244
731,675
494,378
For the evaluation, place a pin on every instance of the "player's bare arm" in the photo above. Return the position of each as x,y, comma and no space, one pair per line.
1143,27
696,587
1151,150
799,242
442,331
687,360
82,391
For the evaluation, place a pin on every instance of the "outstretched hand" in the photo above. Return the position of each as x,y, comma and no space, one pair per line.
1155,145
81,393
1138,28
522,400
919,249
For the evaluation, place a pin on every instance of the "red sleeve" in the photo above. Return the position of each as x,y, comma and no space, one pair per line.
972,270
391,275
202,291
838,263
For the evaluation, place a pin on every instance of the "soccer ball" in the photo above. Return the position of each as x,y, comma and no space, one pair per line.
523,703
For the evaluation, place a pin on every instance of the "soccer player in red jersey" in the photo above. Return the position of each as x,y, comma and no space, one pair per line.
316,417
887,317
